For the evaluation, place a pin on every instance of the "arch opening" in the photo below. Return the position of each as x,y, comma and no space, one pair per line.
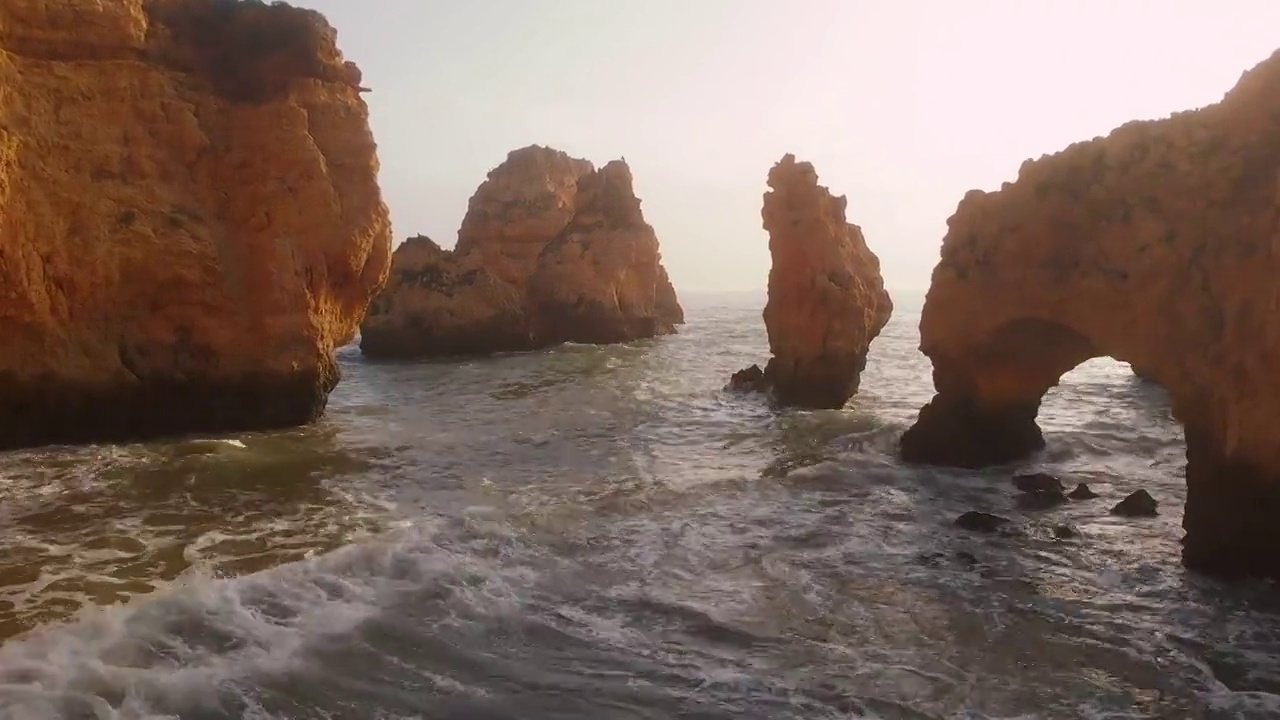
985,410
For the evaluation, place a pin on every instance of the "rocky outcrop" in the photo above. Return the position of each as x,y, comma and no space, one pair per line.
190,219
438,305
1156,245
551,250
827,301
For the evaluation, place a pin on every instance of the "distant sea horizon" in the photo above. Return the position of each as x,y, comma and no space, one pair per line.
904,299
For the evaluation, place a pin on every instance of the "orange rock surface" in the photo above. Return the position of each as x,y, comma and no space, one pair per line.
1157,245
190,219
551,250
827,300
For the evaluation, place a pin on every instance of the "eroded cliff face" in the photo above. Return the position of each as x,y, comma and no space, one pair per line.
827,300
551,251
1157,245
190,220
521,206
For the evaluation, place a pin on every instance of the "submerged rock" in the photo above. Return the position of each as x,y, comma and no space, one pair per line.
1153,245
192,219
551,251
1138,504
1082,492
981,521
1046,499
827,301
1065,532
1037,482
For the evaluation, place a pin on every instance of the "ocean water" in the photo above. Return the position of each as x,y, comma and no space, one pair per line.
604,532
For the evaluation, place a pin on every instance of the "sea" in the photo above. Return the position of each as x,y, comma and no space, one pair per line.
603,533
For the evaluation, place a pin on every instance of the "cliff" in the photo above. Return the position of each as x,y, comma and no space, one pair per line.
827,300
551,250
1156,245
190,219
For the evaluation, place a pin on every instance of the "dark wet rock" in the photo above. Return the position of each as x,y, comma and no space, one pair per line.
1138,504
1065,532
1082,492
981,522
1037,482
1041,499
750,379
938,558
933,558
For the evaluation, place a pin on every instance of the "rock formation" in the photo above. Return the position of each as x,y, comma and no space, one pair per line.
551,251
1156,245
190,219
436,305
827,301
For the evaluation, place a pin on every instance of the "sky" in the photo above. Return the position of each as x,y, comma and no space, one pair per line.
901,105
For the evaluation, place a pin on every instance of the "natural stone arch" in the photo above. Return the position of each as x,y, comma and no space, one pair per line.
1158,245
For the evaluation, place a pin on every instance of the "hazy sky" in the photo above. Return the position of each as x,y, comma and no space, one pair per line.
902,105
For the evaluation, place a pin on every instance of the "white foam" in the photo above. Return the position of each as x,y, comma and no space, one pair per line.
203,635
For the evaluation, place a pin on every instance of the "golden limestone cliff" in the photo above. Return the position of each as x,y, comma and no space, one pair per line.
827,300
551,250
190,220
1158,245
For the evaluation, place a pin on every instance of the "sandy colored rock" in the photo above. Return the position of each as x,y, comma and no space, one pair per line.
827,300
521,206
551,251
190,219
1156,245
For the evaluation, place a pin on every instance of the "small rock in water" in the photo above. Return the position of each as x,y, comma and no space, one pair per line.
966,557
1041,499
1138,504
750,379
1064,531
1082,492
981,522
1037,482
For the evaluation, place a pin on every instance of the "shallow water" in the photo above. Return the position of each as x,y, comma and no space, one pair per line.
604,533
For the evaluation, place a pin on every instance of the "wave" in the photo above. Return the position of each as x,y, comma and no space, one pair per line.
202,646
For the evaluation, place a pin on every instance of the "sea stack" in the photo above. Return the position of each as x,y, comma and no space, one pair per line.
1156,245
551,250
827,300
191,217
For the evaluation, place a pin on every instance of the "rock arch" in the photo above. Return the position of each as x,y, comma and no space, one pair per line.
1158,245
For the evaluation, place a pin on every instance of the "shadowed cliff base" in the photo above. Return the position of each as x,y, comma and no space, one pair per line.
827,300
58,413
1152,246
